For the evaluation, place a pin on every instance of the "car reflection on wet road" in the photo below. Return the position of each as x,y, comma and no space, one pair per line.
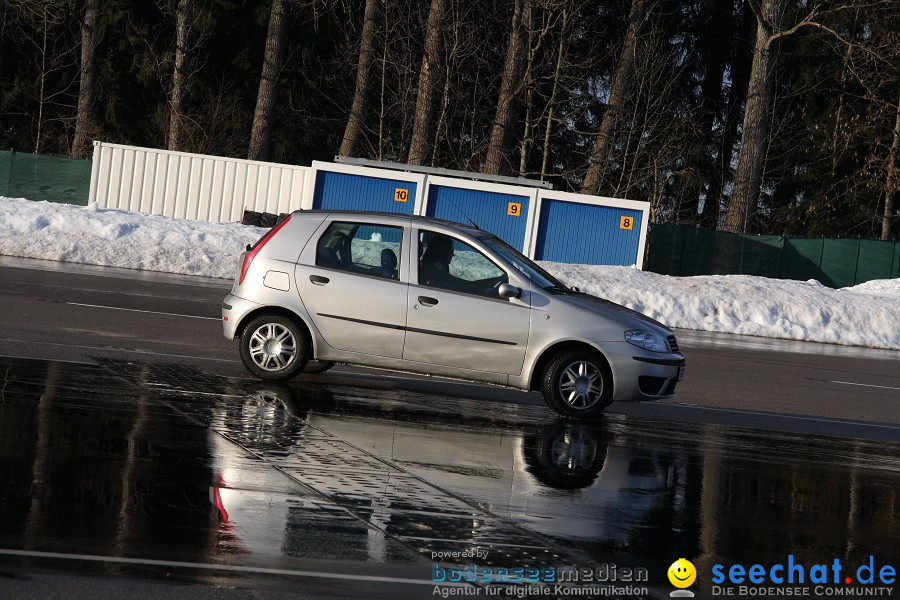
165,471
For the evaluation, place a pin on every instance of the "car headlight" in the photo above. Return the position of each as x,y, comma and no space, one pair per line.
647,340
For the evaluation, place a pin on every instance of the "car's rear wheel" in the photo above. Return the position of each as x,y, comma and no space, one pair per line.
577,384
274,348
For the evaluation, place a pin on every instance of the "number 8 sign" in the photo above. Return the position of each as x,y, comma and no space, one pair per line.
626,223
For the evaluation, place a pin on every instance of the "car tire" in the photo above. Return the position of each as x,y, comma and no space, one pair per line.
314,367
274,348
577,384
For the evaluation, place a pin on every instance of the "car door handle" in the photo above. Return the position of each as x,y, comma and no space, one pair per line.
318,279
427,301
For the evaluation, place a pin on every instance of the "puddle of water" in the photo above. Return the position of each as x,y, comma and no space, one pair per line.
629,491
147,461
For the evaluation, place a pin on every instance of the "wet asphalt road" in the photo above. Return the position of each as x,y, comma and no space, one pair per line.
134,470
79,313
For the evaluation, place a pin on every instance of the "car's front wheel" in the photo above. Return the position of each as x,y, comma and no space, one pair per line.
577,384
274,348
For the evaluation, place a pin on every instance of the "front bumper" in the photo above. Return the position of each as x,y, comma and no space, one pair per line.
644,375
660,382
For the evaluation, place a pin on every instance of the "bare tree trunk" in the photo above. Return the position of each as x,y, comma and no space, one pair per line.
551,104
353,131
84,119
42,94
838,120
535,40
748,175
382,112
432,62
740,70
442,119
43,27
527,141
382,109
441,124
2,30
177,95
603,143
497,159
720,27
261,134
890,188
630,150
528,79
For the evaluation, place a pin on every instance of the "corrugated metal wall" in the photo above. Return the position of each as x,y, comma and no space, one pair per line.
344,191
192,186
587,234
488,210
546,225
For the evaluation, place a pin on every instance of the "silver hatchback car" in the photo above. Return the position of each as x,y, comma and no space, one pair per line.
428,296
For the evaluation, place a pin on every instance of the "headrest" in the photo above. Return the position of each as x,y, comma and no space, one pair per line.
388,259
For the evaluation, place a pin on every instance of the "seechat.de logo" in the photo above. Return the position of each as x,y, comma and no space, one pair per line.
682,573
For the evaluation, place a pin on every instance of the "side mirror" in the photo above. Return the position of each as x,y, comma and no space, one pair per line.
508,291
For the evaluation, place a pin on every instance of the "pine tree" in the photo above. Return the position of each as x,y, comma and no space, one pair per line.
273,60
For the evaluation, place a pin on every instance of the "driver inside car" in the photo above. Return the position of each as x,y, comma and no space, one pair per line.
434,270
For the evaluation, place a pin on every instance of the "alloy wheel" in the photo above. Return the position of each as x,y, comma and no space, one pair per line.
272,347
581,385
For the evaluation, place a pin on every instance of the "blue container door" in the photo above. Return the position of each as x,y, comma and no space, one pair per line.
341,191
504,215
586,234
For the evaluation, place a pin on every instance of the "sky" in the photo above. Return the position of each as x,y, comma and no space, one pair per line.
865,315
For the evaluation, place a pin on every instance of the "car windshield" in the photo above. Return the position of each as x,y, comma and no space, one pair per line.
526,266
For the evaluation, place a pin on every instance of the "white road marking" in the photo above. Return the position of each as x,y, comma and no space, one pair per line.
884,387
233,568
151,312
83,363
778,416
112,349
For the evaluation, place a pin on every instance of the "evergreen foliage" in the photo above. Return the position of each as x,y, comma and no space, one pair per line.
675,140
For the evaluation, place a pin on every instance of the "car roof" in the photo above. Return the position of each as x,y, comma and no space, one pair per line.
475,231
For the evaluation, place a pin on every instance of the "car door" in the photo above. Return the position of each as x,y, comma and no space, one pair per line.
351,287
459,320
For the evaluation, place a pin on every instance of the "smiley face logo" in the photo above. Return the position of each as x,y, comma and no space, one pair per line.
682,573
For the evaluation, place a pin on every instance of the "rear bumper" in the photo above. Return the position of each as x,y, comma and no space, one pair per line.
234,309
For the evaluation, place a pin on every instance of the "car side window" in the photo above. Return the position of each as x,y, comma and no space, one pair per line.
451,264
364,248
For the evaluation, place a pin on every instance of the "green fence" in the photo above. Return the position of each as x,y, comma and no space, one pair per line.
674,249
683,250
39,177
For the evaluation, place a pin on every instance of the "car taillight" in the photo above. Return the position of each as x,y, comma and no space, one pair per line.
251,254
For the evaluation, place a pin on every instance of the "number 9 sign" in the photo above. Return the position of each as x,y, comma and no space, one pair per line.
514,209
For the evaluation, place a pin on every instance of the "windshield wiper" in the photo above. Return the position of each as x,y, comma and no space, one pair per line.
555,289
558,289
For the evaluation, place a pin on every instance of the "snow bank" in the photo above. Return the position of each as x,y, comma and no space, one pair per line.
116,238
863,315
